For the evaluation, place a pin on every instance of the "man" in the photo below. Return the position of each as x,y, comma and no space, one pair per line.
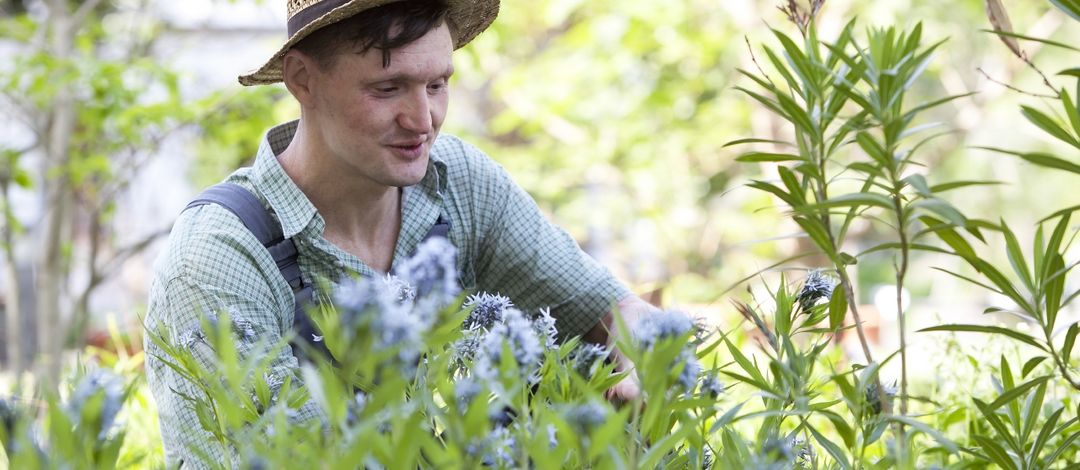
356,182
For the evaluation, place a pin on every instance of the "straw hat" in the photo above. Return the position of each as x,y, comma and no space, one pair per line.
469,18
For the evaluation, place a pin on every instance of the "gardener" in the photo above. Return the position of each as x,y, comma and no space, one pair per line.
357,183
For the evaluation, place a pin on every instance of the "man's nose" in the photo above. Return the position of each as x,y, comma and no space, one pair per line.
415,115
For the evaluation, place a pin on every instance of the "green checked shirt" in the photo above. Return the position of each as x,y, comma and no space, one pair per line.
213,263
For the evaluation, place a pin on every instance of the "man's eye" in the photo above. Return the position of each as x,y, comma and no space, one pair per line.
386,89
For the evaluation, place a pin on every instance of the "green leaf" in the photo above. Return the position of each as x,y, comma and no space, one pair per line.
1070,7
922,427
948,235
1070,110
767,157
776,191
854,200
1044,434
873,149
1031,364
1016,392
932,104
837,308
938,188
1070,340
1046,123
918,182
1054,288
942,208
988,329
998,425
834,450
752,140
1031,38
1062,447
995,452
1016,257
1041,159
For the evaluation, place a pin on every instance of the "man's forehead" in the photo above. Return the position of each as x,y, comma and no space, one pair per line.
431,53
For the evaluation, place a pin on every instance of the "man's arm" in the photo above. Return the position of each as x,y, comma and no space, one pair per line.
606,332
212,265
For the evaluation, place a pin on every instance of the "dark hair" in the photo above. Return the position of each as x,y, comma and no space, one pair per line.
410,19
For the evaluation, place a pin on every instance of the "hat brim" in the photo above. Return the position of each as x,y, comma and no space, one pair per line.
469,19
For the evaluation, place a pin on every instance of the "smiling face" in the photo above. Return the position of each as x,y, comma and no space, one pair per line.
376,123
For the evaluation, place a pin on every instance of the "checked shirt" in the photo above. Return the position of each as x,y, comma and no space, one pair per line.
213,264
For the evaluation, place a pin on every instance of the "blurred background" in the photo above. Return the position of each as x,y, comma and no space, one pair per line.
612,114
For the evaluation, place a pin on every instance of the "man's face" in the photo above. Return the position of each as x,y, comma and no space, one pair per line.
377,123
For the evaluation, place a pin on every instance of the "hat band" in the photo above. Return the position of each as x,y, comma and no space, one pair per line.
304,17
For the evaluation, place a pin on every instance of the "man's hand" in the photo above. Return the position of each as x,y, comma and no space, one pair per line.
629,310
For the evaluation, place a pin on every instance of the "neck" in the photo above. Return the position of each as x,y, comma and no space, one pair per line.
362,216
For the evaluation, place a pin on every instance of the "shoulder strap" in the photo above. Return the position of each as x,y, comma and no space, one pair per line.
258,220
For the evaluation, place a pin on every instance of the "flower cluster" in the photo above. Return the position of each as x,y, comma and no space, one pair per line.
432,272
588,357
516,332
711,385
494,321
485,310
652,329
817,285
587,416
8,418
98,382
874,398
387,306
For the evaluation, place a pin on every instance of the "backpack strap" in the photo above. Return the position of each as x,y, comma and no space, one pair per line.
258,220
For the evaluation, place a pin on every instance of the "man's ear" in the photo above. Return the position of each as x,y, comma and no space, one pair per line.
298,73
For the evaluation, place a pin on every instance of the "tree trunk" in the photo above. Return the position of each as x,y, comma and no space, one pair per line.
13,305
60,199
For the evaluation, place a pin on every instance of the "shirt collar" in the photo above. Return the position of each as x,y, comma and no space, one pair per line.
294,211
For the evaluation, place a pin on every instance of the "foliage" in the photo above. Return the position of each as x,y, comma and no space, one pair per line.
422,377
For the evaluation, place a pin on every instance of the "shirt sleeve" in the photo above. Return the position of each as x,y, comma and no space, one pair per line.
201,275
525,257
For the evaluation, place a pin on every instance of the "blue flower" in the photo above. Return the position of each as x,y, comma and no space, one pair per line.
355,408
544,324
653,328
661,325
711,385
432,271
465,391
587,416
688,377
487,310
8,417
385,306
105,383
817,285
517,331
588,357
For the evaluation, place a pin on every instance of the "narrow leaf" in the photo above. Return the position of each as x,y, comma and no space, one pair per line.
1046,123
767,157
1032,38
1031,364
987,329
751,140
837,308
